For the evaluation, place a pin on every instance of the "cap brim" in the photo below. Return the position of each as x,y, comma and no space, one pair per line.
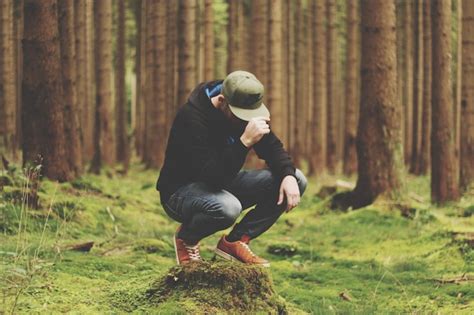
248,114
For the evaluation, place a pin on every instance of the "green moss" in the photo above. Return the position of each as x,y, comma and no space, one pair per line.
385,262
219,287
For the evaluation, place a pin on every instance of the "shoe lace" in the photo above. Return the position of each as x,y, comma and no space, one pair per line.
193,252
246,246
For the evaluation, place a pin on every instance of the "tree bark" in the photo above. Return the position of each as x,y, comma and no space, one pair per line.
259,40
137,124
90,82
171,56
467,98
332,86
290,48
417,88
408,83
444,179
8,96
156,86
352,102
104,138
69,76
234,36
208,41
275,72
18,26
457,86
123,151
299,118
319,125
379,145
425,151
81,60
187,52
44,141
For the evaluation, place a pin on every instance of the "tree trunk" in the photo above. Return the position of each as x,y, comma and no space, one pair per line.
69,74
259,40
290,48
171,66
418,88
90,82
275,72
137,124
352,102
156,86
187,49
408,84
401,58
319,125
234,35
208,41
425,157
44,141
7,80
298,124
457,88
332,85
199,41
379,147
467,101
123,151
18,26
82,103
104,137
444,180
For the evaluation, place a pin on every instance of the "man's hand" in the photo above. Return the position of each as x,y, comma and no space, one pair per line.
254,131
289,189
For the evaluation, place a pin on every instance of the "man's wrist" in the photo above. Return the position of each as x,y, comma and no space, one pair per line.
245,141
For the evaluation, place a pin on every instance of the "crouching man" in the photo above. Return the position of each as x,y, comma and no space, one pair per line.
201,183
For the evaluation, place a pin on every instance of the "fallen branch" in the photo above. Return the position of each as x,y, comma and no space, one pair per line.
463,278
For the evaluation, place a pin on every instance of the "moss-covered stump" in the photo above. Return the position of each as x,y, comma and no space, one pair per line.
218,287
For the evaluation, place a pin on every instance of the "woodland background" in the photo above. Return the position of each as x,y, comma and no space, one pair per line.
374,100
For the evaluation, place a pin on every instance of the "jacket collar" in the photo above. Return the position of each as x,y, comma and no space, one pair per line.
201,101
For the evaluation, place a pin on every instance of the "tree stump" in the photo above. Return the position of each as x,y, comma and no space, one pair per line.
218,287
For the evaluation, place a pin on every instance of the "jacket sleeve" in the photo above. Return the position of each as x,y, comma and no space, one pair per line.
270,149
208,164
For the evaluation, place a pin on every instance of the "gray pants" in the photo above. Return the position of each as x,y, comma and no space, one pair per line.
203,211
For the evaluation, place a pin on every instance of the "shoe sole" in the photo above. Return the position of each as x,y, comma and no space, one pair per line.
232,258
176,250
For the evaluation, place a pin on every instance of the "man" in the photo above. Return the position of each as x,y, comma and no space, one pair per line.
201,184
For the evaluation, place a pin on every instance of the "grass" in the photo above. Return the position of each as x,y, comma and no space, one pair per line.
368,261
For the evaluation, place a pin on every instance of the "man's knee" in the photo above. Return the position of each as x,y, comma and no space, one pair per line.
228,209
301,180
268,180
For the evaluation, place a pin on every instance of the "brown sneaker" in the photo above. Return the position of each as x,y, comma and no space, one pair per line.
185,253
239,251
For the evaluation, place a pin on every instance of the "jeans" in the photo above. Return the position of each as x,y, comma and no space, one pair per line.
203,210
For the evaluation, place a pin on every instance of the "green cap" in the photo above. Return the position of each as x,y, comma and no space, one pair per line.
244,93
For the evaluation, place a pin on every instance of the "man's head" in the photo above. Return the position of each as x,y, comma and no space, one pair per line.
243,95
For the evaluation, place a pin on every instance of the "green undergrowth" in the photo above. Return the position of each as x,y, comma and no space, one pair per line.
375,260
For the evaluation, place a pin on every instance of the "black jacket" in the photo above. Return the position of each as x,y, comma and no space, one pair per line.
203,146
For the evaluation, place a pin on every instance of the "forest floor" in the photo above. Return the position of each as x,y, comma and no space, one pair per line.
370,261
